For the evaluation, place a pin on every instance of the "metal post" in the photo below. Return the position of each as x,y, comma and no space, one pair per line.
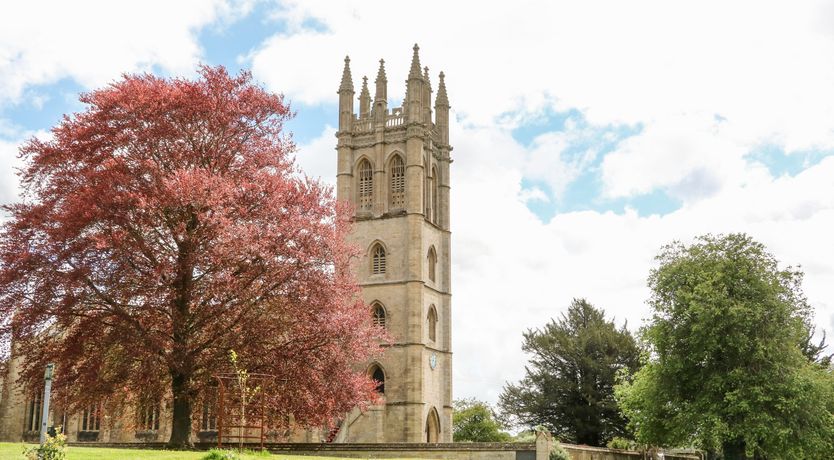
46,390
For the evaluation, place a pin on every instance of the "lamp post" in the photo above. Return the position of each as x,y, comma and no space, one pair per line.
47,376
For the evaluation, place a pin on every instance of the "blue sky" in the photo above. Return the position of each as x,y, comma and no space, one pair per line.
586,134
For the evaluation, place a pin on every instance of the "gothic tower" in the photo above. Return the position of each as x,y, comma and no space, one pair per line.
393,165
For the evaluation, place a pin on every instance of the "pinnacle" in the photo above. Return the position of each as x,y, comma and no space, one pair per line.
442,99
347,79
415,63
365,92
380,75
426,77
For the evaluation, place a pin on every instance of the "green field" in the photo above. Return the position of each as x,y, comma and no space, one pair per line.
13,451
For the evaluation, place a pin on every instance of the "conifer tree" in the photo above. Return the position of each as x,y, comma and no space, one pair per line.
569,382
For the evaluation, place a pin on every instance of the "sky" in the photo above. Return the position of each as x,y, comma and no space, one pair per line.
586,134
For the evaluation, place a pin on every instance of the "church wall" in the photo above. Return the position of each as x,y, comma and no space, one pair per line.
12,404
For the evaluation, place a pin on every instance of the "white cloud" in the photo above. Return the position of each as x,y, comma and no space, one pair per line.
9,189
317,158
690,157
547,159
43,42
511,271
764,68
533,194
706,81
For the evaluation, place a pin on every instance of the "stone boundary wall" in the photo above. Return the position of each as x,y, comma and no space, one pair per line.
601,453
451,451
446,451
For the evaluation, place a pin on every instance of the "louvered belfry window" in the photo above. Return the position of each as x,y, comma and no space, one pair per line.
397,183
366,186
378,262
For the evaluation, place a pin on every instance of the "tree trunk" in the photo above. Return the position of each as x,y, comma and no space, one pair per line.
182,367
181,420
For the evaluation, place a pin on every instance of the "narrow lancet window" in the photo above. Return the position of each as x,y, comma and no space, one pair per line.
432,262
432,324
435,206
379,377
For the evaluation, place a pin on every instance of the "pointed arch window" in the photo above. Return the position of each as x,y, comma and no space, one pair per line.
378,375
433,426
377,259
432,263
379,315
397,175
432,323
366,185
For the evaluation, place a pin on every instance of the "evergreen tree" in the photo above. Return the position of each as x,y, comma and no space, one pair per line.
569,386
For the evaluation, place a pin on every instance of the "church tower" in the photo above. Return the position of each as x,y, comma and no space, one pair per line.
393,165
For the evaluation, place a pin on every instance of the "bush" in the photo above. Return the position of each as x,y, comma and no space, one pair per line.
525,436
622,443
558,452
222,454
54,448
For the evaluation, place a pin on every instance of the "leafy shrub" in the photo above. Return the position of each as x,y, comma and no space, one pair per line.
558,452
525,436
622,443
222,454
54,448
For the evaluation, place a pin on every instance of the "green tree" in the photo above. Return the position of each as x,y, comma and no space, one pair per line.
475,421
726,368
569,385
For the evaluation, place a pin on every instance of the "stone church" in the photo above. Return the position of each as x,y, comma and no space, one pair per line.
393,165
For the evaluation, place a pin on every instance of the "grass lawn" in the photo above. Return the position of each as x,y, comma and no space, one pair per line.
14,451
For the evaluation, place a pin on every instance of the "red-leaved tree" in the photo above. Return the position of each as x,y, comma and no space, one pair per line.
165,225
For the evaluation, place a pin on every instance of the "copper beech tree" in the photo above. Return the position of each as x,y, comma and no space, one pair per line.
165,225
